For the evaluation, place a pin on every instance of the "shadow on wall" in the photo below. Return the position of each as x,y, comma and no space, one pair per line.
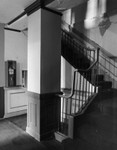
92,14
73,17
78,16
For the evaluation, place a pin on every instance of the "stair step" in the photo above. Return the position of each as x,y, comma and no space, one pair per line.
60,137
104,84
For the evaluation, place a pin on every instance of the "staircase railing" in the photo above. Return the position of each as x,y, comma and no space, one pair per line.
71,43
108,67
75,103
83,86
107,62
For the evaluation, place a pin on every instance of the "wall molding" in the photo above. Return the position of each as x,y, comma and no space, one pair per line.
52,10
43,95
31,9
16,18
11,29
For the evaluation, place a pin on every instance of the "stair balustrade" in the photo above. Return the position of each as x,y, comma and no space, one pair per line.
107,62
108,67
83,85
94,71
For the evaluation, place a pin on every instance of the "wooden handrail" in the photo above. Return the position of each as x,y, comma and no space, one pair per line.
84,37
84,85
75,38
88,69
80,70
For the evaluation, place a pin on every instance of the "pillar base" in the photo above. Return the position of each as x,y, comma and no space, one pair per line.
43,115
33,133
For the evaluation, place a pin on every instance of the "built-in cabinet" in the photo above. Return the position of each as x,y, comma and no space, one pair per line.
15,101
13,49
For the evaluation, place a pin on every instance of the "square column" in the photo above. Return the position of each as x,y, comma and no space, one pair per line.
44,57
2,69
2,55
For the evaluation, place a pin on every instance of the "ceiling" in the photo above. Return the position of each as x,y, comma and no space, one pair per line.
10,9
64,4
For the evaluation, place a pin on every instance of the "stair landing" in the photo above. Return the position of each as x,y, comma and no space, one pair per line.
98,125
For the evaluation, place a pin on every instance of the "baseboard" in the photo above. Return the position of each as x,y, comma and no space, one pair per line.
2,108
7,115
33,133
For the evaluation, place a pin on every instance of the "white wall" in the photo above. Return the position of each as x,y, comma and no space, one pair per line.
16,49
66,74
109,40
34,45
66,68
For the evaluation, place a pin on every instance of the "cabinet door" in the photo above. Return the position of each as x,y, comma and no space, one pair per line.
16,100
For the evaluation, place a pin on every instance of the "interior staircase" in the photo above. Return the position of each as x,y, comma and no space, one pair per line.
92,94
81,58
